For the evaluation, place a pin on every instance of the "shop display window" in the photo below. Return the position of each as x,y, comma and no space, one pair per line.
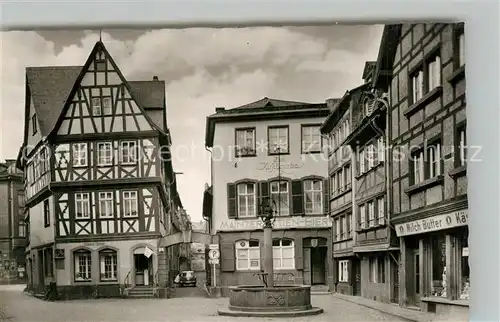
465,278
438,282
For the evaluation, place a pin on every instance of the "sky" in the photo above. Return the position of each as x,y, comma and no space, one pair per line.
203,68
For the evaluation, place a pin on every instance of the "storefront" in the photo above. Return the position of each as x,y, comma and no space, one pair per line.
435,270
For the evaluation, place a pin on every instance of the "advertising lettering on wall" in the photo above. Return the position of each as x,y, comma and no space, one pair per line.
280,223
435,223
277,163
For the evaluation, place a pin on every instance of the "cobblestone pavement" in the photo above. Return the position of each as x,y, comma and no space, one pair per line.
21,307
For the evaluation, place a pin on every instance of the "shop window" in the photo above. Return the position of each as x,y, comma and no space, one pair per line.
283,254
465,280
438,282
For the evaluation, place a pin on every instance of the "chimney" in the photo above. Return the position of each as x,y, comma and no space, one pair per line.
330,103
155,78
219,109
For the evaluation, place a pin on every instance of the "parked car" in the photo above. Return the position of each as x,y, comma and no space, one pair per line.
186,278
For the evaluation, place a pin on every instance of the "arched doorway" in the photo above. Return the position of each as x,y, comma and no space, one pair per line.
315,260
143,265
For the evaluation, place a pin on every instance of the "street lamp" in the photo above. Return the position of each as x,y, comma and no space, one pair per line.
267,210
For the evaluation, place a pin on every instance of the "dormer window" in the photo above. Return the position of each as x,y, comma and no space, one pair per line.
34,127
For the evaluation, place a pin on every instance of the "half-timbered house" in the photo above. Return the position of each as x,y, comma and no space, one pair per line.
269,148
99,183
423,67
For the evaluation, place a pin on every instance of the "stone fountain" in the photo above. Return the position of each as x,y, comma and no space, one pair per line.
269,300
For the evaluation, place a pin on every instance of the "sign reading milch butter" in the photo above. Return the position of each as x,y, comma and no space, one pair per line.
435,223
280,223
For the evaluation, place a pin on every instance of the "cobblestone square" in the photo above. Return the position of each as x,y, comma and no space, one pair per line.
17,306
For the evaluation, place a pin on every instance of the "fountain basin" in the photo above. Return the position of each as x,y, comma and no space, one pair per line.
258,300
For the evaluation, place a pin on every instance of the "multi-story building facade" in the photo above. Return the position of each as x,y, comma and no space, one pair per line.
269,148
364,246
99,184
422,66
12,225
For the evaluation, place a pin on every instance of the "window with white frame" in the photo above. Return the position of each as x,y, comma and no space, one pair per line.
371,156
278,139
434,73
280,195
349,225
245,142
247,255
340,178
283,254
418,167
83,265
417,83
22,228
371,213
347,176
128,152
106,204
247,201
343,223
338,230
130,204
82,205
362,161
381,149
461,49
434,155
462,146
343,271
96,106
333,184
311,138
104,153
381,210
313,193
106,106
362,216
108,261
79,154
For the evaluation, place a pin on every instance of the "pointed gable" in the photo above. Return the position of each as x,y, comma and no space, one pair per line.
101,101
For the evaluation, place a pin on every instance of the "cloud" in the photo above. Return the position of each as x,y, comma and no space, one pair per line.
203,68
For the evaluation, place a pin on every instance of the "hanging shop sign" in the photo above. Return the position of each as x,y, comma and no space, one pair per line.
435,223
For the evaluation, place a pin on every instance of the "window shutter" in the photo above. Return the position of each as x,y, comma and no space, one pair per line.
336,271
227,263
350,273
297,198
299,261
326,197
232,206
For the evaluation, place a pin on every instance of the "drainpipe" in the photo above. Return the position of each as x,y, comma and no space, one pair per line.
210,220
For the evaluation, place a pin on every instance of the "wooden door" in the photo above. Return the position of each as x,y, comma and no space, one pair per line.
417,276
318,265
307,266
